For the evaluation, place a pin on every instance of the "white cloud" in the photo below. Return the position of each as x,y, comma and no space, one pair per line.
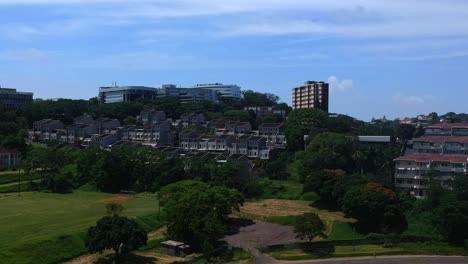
337,85
413,99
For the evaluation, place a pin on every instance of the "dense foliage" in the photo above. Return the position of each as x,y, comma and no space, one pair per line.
376,208
118,233
197,213
309,226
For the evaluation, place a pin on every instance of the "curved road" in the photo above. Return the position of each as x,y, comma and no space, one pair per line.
386,260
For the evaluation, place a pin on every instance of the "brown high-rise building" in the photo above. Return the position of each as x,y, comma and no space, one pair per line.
311,95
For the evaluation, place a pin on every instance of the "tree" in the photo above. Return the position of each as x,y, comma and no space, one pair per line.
321,182
197,213
118,233
460,186
114,209
375,207
330,151
304,122
253,99
452,219
308,226
405,132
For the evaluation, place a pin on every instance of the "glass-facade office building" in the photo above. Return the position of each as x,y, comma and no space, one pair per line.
126,93
10,98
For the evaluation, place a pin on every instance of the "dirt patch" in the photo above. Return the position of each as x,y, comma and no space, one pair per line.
260,234
275,207
115,199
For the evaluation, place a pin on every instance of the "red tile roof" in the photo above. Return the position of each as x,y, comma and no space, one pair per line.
441,139
449,125
434,157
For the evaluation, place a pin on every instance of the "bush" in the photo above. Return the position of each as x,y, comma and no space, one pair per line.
310,196
321,251
58,183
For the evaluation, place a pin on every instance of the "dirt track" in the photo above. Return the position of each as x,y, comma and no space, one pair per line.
259,234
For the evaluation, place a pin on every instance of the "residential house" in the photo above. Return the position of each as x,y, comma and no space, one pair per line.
273,132
238,128
189,120
158,134
152,116
9,158
261,112
248,145
43,129
188,140
106,125
79,132
84,119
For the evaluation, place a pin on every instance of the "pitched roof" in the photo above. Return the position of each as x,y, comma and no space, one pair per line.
269,125
441,139
5,150
434,157
449,125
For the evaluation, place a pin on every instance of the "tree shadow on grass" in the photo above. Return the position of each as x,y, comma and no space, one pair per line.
325,205
126,259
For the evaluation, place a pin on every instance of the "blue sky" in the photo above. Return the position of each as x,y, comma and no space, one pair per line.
395,58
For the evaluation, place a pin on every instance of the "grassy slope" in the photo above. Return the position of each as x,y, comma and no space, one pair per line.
276,189
40,220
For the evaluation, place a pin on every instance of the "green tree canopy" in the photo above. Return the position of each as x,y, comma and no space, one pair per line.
309,226
197,213
118,233
303,122
376,208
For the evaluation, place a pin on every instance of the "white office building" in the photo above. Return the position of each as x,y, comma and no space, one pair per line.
226,91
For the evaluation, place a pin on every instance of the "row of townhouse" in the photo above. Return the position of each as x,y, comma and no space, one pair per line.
441,154
274,133
248,145
157,130
104,131
221,157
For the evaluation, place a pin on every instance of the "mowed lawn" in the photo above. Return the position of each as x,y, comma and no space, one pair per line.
33,217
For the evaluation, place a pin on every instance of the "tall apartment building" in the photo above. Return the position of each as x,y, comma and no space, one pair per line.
10,98
225,91
116,94
441,154
311,95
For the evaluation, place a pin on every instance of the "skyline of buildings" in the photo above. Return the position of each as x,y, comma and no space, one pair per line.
194,94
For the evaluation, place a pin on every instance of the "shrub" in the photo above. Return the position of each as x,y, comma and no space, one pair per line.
310,196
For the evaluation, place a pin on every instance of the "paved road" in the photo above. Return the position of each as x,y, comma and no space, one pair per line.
386,260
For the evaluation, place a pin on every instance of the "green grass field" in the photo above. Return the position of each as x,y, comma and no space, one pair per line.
343,231
41,220
370,250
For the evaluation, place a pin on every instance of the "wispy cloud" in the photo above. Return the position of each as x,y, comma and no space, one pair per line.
413,99
337,85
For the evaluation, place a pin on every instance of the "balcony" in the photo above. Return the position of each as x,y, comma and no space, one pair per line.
459,170
411,186
443,168
409,176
